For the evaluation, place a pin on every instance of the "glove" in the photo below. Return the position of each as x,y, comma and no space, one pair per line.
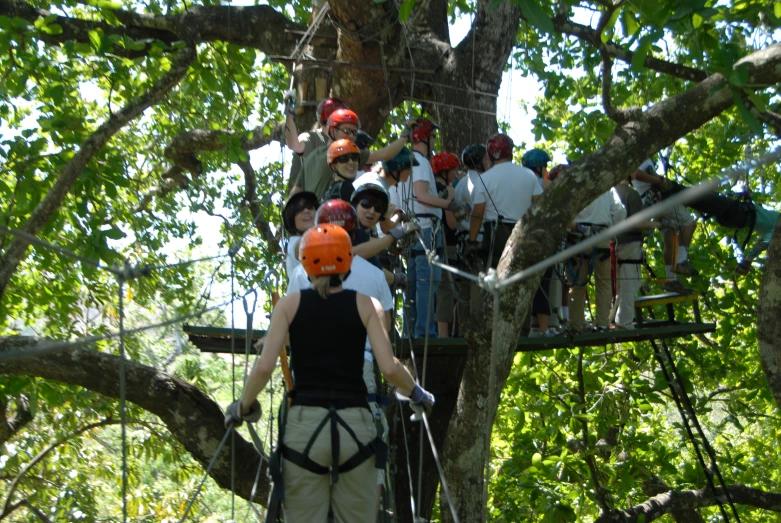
460,210
399,279
470,247
420,400
234,417
290,103
404,229
743,267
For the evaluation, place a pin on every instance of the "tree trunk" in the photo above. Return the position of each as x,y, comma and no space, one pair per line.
768,326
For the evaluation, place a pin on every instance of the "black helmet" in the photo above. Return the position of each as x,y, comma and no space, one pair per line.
293,206
473,155
363,140
370,188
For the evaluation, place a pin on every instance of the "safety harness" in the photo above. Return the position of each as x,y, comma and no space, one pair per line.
577,235
376,447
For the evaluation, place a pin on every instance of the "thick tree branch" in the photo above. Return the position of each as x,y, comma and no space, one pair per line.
260,27
655,486
190,415
10,426
46,209
564,26
184,149
256,209
769,328
671,501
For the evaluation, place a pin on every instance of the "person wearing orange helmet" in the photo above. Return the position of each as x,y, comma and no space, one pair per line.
311,140
342,124
326,472
343,158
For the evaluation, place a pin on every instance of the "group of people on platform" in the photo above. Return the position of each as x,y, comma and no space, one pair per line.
362,222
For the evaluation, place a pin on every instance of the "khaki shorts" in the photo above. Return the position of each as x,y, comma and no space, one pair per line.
308,495
371,388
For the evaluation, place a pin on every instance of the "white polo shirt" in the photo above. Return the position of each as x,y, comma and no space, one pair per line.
509,190
406,194
364,278
606,210
642,187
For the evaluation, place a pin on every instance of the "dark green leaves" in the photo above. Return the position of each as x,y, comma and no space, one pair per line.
406,9
535,15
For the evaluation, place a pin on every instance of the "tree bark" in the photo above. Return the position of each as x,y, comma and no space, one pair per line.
10,426
768,326
190,415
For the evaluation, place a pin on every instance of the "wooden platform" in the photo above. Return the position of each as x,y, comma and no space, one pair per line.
218,340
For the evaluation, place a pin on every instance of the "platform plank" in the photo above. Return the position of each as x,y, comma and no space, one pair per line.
218,340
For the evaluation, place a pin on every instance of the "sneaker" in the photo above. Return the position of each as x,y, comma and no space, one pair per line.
686,269
628,327
677,287
550,333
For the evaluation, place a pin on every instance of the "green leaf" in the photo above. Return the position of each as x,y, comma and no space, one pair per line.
535,15
114,233
536,458
777,9
749,118
96,38
405,10
696,20
639,56
607,32
52,29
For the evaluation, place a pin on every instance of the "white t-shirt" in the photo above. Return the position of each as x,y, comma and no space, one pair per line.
291,262
468,193
406,194
364,278
606,210
642,187
510,188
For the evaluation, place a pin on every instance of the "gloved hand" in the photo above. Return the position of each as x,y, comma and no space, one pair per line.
420,400
470,247
404,229
290,103
460,210
399,279
743,267
233,415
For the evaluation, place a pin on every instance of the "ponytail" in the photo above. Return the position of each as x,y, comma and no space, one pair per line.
322,283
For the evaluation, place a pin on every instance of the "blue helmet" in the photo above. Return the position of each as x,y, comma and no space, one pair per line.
535,158
403,160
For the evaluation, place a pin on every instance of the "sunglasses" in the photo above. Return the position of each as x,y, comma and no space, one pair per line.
353,157
304,206
348,131
379,206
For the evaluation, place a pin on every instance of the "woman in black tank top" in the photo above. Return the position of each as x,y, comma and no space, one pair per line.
328,437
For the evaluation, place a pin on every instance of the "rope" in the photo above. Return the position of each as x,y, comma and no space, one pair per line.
233,385
122,394
206,475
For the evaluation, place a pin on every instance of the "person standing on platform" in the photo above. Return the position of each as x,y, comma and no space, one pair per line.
298,215
324,477
629,257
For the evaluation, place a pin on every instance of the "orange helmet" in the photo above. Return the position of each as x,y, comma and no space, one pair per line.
325,250
444,161
340,148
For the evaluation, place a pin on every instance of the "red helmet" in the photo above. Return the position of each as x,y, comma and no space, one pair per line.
341,116
444,161
337,212
422,129
556,171
340,148
327,106
499,146
326,249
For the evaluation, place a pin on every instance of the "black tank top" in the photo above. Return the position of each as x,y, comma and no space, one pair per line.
327,339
